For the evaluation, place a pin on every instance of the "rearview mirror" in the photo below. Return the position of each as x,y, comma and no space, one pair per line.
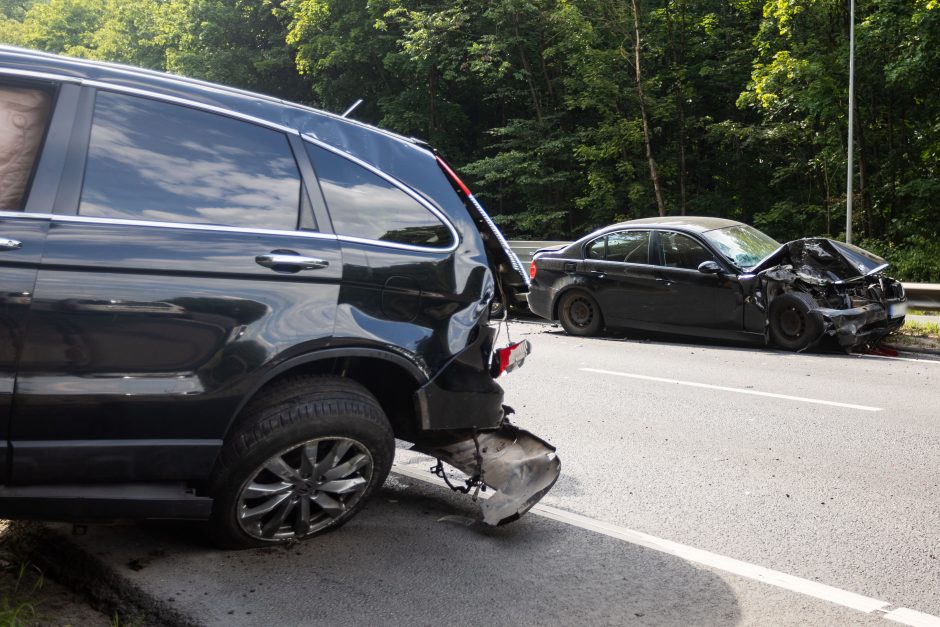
709,267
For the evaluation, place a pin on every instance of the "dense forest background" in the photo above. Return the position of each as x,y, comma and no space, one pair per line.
565,115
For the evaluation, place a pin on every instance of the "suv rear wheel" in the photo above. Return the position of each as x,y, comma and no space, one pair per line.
308,455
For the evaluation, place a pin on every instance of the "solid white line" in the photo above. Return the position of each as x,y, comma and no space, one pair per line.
786,397
691,554
913,618
935,362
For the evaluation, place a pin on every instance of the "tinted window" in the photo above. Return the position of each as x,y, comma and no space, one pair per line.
363,204
595,249
681,251
24,115
149,160
628,246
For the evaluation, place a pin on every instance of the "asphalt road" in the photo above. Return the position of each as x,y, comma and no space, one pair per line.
821,466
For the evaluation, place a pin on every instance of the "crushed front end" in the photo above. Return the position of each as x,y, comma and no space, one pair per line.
853,300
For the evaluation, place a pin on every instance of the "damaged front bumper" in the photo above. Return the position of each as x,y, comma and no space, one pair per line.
521,467
859,326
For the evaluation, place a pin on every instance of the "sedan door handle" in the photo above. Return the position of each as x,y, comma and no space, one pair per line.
600,274
663,281
290,262
10,244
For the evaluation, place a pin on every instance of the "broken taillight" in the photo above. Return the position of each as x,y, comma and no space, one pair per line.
532,270
509,358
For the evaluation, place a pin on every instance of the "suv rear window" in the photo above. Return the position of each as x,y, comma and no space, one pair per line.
24,115
149,160
363,204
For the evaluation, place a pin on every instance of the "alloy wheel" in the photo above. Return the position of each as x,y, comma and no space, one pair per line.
304,489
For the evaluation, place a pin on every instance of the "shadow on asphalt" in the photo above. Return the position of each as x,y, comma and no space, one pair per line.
399,563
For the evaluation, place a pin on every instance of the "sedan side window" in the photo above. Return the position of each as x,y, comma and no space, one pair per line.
681,251
595,250
628,247
149,160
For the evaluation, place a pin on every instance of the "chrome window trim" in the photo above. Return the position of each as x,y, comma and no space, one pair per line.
401,186
186,226
46,76
185,102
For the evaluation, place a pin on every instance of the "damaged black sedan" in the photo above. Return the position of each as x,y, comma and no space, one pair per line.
717,278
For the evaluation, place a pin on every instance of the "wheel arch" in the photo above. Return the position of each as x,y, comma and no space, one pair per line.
573,286
390,377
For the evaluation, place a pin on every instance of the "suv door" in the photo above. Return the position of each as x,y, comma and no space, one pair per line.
35,123
190,259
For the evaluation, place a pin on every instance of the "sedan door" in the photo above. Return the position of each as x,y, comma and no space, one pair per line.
706,304
624,281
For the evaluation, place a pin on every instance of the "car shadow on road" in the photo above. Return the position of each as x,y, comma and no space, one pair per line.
411,558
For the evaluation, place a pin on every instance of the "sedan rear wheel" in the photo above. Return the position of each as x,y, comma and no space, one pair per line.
580,314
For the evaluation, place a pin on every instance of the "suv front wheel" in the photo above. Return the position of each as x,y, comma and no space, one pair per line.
306,458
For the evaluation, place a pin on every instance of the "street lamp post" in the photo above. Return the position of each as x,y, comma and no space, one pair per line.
851,143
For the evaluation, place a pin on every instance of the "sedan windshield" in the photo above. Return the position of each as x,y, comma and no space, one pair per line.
744,245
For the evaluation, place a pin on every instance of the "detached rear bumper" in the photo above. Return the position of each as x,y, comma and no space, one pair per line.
521,467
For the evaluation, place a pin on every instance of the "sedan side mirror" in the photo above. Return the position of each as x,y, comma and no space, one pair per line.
709,267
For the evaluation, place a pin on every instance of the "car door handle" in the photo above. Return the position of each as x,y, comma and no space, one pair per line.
10,244
292,262
665,282
600,274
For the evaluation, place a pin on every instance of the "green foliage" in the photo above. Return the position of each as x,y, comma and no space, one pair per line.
535,101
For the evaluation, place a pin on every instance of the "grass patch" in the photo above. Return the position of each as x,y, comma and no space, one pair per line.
920,329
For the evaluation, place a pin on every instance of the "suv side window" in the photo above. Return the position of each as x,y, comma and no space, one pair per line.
150,160
628,247
681,251
363,204
24,117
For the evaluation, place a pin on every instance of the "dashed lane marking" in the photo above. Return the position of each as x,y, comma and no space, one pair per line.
694,384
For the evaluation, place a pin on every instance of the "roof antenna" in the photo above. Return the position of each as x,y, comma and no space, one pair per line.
351,108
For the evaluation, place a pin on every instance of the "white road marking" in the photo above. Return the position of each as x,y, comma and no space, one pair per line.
713,560
723,388
913,617
935,362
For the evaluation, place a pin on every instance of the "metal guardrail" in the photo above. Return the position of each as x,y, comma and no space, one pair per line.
919,295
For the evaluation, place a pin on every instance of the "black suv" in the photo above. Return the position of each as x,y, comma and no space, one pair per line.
221,305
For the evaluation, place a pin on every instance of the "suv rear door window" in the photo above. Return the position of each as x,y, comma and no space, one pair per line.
365,205
24,116
149,160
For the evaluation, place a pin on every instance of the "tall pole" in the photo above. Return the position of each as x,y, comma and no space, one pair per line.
851,146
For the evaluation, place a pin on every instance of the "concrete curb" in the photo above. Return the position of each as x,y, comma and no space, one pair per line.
913,349
48,546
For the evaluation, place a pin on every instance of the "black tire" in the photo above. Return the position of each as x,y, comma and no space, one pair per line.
794,325
316,426
580,314
497,310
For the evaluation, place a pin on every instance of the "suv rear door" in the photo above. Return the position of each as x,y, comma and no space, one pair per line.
36,118
183,257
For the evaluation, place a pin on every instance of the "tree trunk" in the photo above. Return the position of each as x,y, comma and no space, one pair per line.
528,69
654,170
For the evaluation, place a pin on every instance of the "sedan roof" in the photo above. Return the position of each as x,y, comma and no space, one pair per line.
698,224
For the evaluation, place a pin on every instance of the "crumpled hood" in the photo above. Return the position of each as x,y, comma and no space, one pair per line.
828,259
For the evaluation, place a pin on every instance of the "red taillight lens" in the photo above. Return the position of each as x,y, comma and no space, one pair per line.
509,358
532,270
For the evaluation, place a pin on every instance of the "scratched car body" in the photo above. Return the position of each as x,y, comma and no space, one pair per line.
717,278
218,305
